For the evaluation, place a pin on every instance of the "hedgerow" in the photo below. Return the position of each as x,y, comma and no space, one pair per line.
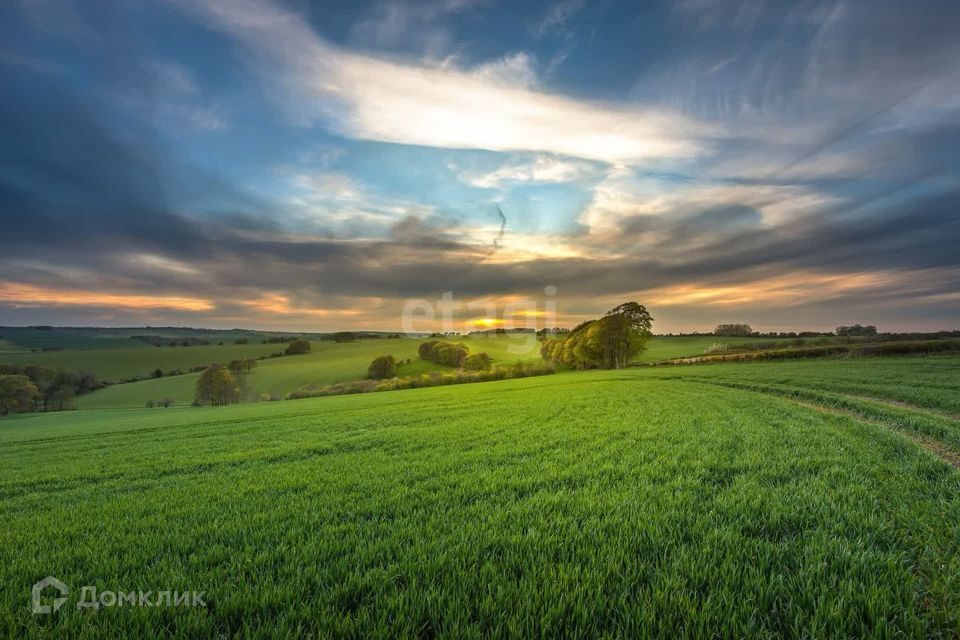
432,379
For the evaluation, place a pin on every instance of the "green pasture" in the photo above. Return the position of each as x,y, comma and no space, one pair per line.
327,363
641,503
330,362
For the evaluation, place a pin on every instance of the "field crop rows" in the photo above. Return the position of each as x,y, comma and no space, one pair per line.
635,503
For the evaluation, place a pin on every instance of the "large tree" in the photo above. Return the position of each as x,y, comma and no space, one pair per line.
217,386
17,393
624,333
610,342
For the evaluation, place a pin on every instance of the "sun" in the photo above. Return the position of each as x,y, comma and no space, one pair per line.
486,322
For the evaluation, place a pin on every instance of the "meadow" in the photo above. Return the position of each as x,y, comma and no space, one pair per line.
801,499
328,363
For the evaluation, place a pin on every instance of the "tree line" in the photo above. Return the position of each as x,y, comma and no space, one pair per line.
39,388
739,330
610,342
431,379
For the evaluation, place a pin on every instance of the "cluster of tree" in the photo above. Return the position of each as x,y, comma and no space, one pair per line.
298,347
610,342
219,385
382,367
733,330
242,366
446,353
39,388
162,402
279,339
856,330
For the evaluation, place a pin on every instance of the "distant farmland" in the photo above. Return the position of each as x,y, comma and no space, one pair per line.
328,362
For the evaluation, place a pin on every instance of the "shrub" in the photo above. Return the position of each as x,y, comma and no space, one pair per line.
297,347
716,347
477,362
426,348
834,349
382,367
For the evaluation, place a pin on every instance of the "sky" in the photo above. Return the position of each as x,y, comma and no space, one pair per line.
335,165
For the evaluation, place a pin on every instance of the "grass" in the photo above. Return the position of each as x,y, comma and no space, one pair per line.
932,382
327,363
116,364
84,338
639,503
665,347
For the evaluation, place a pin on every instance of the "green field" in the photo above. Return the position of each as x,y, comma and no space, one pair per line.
802,499
83,338
328,363
113,364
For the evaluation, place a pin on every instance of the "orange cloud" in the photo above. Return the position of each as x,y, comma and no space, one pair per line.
796,288
26,295
280,304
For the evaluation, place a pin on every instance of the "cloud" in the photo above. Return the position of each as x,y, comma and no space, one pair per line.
392,24
541,168
338,204
515,69
19,294
770,210
558,15
369,98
